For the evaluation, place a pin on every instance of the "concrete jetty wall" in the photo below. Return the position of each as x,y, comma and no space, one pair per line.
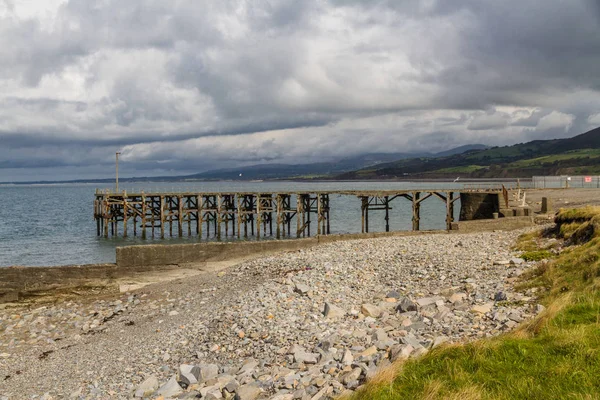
135,257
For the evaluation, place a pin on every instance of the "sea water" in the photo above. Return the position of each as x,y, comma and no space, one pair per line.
53,224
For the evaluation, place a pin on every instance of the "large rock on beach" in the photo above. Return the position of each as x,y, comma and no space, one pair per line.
147,387
370,310
170,389
406,305
331,311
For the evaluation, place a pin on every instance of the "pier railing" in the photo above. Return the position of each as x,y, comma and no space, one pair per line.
566,181
463,187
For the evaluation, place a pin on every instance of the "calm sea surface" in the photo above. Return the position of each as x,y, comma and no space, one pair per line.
54,225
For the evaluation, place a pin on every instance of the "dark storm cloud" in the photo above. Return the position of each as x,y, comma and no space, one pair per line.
198,84
37,138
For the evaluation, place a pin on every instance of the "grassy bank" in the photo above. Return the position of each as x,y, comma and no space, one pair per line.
555,356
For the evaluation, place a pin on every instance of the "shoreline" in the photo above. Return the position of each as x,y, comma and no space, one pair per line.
260,324
154,263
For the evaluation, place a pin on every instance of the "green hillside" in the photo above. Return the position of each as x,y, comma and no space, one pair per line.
577,155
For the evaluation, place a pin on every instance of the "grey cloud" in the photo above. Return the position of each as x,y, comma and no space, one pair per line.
532,120
452,121
489,120
38,138
346,76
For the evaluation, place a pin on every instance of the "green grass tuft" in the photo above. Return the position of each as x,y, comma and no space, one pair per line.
537,255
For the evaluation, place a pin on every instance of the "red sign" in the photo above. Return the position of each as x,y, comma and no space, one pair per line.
588,179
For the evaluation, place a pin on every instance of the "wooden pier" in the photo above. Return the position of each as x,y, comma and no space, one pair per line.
279,215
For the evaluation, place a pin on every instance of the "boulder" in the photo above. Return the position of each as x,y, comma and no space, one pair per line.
351,376
305,357
482,309
369,310
438,341
401,352
170,389
207,371
248,367
348,358
147,387
393,295
516,261
369,352
301,288
189,374
457,297
248,392
500,296
426,301
406,305
333,312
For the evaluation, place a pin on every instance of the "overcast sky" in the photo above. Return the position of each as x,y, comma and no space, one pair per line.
183,86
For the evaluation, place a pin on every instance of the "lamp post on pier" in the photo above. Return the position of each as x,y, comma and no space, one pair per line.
117,171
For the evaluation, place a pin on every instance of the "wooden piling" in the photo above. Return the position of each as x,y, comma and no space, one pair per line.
416,210
279,216
239,215
299,215
219,216
105,218
125,216
258,216
319,211
449,210
200,216
179,216
387,213
162,217
144,211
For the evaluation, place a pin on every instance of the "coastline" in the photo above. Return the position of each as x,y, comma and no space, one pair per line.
261,322
140,265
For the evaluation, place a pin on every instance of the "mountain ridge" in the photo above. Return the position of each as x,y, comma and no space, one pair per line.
577,155
310,170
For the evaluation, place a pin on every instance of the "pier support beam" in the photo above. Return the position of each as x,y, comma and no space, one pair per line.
416,211
364,214
387,213
162,217
199,215
144,211
219,216
258,216
125,214
179,216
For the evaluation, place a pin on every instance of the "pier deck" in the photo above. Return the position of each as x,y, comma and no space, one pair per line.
278,214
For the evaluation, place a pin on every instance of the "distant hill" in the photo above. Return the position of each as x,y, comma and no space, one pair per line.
573,156
319,170
461,149
323,170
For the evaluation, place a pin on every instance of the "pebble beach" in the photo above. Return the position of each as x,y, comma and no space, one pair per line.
309,324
